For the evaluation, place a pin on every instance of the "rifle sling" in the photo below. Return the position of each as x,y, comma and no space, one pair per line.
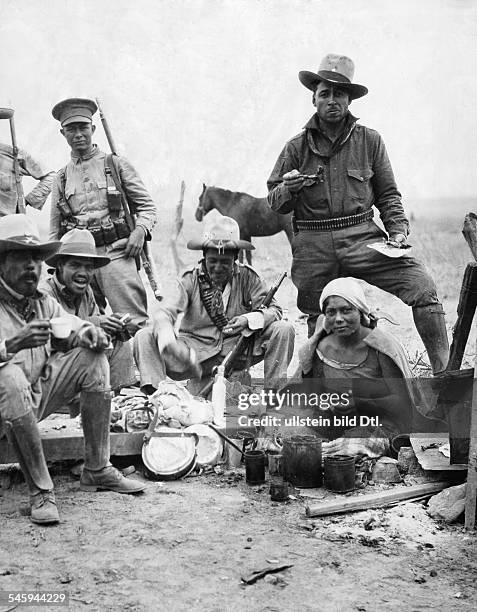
110,164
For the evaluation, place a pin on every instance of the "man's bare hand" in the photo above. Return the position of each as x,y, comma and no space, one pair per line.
135,242
293,181
110,324
36,333
399,239
235,326
93,337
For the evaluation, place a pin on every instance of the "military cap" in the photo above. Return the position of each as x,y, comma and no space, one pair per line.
74,110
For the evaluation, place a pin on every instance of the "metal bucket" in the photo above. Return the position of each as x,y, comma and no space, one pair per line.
302,461
339,473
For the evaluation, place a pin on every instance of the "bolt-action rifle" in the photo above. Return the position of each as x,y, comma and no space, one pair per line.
7,113
146,254
244,342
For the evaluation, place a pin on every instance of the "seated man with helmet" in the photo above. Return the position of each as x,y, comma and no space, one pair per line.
35,381
220,299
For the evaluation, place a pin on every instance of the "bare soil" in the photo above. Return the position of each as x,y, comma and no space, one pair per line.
186,546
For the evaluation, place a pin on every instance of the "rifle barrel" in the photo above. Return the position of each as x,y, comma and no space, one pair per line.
107,131
21,207
243,341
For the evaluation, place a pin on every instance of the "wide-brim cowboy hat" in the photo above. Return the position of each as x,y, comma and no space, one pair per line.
223,235
78,243
19,233
337,70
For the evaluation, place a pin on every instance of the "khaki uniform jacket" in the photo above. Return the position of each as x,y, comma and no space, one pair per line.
197,329
28,167
86,194
32,361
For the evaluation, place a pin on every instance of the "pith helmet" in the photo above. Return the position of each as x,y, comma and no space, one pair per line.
223,235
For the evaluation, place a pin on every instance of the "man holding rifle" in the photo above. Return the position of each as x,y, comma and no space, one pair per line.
86,196
220,300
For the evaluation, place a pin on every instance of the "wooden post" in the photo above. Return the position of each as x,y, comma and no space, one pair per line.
470,232
465,311
471,489
179,221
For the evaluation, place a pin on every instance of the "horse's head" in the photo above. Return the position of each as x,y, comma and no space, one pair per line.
203,207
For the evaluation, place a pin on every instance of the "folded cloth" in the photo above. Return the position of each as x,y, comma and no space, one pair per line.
359,441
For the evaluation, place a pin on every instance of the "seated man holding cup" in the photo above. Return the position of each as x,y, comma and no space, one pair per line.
74,265
34,381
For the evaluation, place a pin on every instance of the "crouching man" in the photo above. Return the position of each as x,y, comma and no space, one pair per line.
74,264
220,299
34,382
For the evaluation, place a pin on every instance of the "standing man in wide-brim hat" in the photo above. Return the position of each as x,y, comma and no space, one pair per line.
35,381
219,299
85,196
70,285
330,176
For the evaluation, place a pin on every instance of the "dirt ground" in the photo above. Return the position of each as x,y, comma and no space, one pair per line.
186,545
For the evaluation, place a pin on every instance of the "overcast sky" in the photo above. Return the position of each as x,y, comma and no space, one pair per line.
207,90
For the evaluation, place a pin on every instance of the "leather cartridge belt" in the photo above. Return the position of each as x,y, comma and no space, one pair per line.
102,234
332,224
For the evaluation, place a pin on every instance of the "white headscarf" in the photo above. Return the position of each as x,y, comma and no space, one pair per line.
348,289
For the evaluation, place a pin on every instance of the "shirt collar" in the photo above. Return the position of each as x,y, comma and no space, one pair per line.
18,296
94,151
70,299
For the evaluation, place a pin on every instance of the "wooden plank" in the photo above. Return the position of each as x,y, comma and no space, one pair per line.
63,445
471,489
465,315
432,459
376,500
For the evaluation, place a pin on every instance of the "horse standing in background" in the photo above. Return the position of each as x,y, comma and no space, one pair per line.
253,215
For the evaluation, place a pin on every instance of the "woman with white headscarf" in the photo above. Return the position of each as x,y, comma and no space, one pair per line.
349,353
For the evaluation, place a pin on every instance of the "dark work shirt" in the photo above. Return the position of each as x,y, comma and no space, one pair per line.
356,171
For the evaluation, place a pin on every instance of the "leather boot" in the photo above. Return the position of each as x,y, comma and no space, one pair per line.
24,435
98,473
431,326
